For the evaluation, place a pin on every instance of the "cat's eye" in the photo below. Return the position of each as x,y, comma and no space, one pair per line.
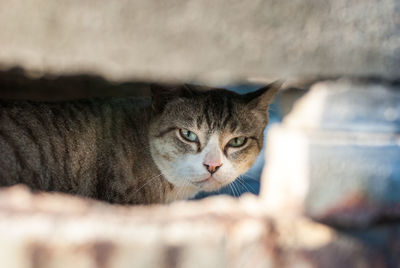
237,142
188,135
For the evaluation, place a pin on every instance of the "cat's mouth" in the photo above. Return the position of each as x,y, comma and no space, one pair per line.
209,182
202,181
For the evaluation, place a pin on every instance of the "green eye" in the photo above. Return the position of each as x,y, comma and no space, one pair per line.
188,135
237,142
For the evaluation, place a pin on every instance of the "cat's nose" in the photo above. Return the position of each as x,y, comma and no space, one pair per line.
213,160
212,168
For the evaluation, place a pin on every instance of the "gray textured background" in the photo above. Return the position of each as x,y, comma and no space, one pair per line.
206,41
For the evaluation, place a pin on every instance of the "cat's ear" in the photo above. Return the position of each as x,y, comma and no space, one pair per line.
188,91
262,98
160,96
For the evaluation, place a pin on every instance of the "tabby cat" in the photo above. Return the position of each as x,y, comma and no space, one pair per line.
134,151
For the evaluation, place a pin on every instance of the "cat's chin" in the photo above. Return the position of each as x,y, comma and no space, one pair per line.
208,184
201,181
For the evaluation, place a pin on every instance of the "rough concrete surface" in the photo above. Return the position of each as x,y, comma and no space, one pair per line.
55,230
336,157
207,41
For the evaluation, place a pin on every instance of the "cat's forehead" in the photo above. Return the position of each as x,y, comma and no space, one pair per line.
215,111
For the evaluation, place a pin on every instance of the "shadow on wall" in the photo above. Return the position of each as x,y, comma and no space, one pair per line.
17,84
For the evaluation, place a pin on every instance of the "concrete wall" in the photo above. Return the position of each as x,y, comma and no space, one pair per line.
205,41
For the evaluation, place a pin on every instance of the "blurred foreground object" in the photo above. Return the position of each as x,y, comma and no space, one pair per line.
40,230
336,157
207,41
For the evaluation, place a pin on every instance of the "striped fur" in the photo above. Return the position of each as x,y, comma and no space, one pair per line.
101,148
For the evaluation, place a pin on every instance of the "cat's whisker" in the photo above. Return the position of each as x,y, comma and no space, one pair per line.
182,189
185,189
236,188
233,192
241,179
150,180
256,189
245,176
242,182
160,188
189,189
230,187
249,177
179,190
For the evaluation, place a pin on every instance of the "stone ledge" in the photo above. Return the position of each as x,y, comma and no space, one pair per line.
205,41
55,230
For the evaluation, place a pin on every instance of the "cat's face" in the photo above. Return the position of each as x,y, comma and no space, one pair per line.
206,139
